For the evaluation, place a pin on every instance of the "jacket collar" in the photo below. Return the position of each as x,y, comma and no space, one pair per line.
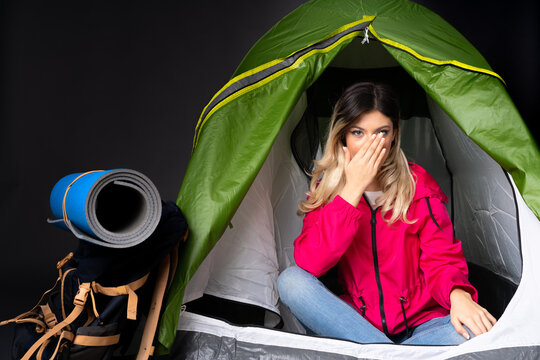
426,186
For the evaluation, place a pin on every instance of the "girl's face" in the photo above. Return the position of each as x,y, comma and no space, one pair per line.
371,123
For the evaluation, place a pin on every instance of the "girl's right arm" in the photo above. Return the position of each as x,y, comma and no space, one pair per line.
329,230
326,234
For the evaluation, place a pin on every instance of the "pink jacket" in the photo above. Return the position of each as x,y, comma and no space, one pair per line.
395,276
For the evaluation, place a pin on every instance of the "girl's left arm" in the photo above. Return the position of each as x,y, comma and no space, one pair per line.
446,271
441,255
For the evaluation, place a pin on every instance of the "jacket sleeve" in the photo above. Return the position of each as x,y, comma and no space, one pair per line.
441,257
327,233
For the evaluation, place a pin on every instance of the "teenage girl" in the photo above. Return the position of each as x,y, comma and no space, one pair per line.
383,222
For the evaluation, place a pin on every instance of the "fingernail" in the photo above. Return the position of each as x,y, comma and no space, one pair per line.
466,335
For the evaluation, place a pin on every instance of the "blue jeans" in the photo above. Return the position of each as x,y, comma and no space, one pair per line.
323,313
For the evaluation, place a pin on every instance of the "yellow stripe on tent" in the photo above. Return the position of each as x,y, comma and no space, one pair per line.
430,60
267,65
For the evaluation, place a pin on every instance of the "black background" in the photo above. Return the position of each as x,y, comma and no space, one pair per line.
102,85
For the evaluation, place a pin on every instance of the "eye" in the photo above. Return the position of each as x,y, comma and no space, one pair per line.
384,132
356,132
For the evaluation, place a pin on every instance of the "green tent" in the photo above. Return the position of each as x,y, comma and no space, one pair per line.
238,128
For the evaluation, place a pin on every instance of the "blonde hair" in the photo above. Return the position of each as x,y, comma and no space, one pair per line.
394,176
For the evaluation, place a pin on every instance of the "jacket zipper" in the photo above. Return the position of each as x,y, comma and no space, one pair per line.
376,264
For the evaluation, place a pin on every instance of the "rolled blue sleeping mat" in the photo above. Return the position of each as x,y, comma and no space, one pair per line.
116,208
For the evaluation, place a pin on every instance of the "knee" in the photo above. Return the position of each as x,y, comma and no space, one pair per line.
285,281
290,283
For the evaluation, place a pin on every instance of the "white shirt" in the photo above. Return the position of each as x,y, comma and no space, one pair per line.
372,197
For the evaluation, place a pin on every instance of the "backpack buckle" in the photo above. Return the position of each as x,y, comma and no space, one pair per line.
82,294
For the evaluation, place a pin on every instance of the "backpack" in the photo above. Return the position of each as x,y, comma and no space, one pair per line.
95,310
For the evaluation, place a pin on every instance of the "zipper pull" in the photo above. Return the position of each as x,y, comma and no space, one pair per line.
363,307
403,300
366,36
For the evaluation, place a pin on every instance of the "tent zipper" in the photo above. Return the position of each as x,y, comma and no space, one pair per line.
366,35
376,265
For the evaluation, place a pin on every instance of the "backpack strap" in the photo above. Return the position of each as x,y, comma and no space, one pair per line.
65,335
31,315
28,317
146,349
86,340
68,335
79,302
48,316
165,275
62,286
128,290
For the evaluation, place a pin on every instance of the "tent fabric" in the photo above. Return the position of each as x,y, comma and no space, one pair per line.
214,338
485,212
237,129
231,348
245,263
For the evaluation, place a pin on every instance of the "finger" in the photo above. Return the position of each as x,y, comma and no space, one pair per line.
367,141
473,325
487,322
481,320
360,155
374,147
378,152
347,155
380,145
459,328
491,317
379,159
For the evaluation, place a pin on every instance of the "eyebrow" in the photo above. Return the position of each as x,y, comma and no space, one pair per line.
378,129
